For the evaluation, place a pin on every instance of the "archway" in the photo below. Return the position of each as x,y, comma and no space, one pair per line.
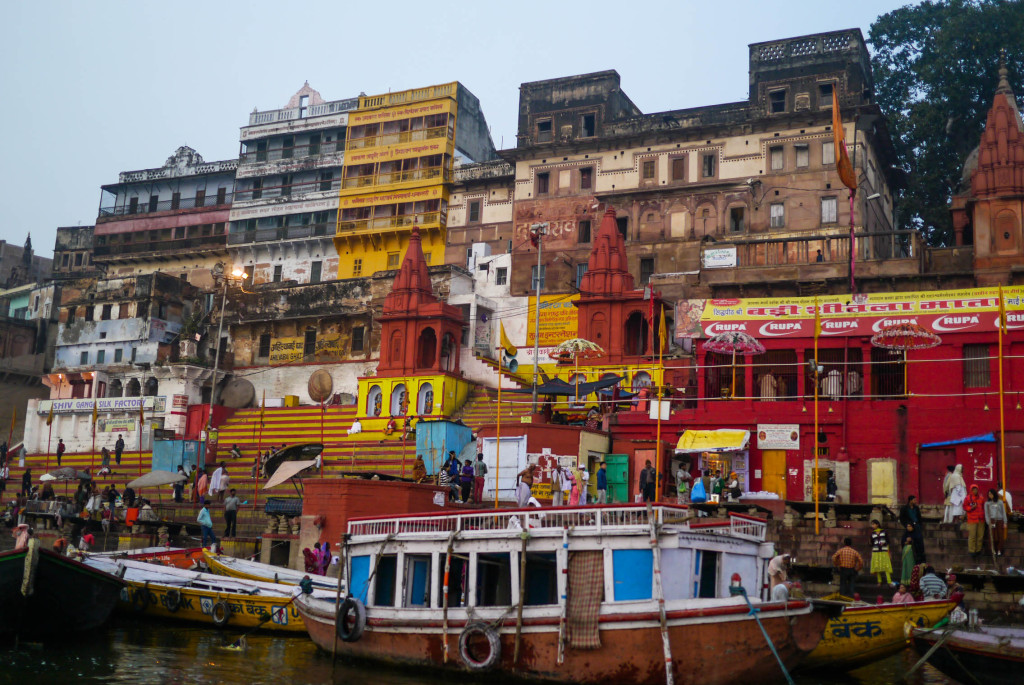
116,388
449,352
425,400
641,379
134,388
426,349
635,339
399,400
152,387
373,401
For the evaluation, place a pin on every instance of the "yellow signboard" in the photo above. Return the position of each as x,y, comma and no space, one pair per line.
285,350
374,199
419,109
557,319
329,348
388,153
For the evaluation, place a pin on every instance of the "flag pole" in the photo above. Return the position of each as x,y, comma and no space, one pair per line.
49,435
323,445
497,440
660,388
814,442
1002,414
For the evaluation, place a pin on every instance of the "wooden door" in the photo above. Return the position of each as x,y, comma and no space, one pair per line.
773,472
882,481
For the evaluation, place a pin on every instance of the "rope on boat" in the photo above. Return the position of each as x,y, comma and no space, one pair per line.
659,592
771,645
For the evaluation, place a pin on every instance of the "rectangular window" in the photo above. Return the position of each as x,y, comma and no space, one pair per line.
586,178
632,573
426,258
200,198
101,356
544,131
775,375
384,588
261,151
154,202
84,358
314,144
357,267
493,580
828,210
277,273
583,233
65,259
133,205
737,216
533,276
777,161
417,580
777,101
393,258
118,355
886,374
105,313
474,211
264,348
803,156
326,179
222,195
134,350
314,272
257,188
501,276
588,126
71,315
309,344
824,96
778,215
357,338
976,366
286,184
622,223
175,200
828,153
646,270
89,312
78,259
648,170
287,147
541,579
706,572
679,168
708,166
543,183
581,271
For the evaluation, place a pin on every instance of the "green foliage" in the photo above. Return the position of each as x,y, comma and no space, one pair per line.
936,69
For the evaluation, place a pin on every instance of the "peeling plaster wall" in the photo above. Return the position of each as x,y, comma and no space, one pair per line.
293,380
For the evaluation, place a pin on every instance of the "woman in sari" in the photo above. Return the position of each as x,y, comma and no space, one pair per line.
907,568
917,539
915,582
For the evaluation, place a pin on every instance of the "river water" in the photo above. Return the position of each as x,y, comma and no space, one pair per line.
129,650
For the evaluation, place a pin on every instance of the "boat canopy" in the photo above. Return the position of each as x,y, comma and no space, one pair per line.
556,386
984,437
721,440
286,471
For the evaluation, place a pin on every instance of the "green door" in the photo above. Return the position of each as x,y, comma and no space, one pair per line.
618,478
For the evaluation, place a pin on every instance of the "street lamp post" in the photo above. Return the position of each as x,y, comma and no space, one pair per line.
537,232
236,274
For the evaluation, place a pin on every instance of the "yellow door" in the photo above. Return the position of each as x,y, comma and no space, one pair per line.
773,472
882,481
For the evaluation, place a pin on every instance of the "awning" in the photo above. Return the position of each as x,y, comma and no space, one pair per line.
984,437
721,440
156,478
556,386
286,471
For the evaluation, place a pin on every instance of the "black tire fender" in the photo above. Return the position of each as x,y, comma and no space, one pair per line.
221,614
140,599
472,661
173,598
350,620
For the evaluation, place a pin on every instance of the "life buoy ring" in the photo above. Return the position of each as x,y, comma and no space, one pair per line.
173,598
351,620
221,614
140,599
469,657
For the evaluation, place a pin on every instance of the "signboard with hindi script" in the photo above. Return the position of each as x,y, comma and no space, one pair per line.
285,350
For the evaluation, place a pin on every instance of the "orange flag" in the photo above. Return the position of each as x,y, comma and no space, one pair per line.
843,165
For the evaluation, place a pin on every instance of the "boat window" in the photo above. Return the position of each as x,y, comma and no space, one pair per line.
541,579
417,580
458,573
493,580
359,575
632,573
706,574
384,588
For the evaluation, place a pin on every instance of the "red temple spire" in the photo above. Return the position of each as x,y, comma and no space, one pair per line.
412,287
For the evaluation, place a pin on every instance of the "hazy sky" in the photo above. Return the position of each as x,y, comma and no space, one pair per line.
95,88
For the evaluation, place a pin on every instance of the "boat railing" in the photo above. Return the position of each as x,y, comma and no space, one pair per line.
595,518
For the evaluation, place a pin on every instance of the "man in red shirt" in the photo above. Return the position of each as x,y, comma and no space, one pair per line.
974,508
849,563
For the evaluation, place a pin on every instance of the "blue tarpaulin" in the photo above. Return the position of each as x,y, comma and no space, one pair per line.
984,437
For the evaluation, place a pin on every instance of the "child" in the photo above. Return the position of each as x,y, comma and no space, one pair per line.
880,562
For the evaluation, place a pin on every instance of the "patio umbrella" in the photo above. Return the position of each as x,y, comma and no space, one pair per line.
733,342
578,348
905,337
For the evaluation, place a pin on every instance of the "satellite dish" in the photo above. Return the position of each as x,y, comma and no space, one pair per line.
320,385
238,393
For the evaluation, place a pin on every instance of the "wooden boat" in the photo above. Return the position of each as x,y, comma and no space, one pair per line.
580,598
169,592
42,591
989,654
253,570
865,633
179,557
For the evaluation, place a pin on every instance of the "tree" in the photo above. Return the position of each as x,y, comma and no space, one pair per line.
936,69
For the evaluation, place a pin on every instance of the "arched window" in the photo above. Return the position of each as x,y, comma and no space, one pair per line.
426,349
399,400
635,340
116,388
373,401
152,387
425,399
641,379
134,388
449,352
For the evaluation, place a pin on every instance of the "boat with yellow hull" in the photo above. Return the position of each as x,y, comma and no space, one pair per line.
865,633
182,595
265,573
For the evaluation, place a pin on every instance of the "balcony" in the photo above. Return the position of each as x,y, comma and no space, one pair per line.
208,201
407,221
263,235
294,190
395,138
295,113
404,97
373,180
294,152
141,250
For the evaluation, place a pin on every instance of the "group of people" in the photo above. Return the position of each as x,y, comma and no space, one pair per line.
464,479
318,559
568,485
990,511
205,519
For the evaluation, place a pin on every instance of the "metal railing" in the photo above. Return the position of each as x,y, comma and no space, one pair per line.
293,152
401,221
834,246
291,190
208,201
403,97
274,115
262,235
382,139
169,245
397,177
596,519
